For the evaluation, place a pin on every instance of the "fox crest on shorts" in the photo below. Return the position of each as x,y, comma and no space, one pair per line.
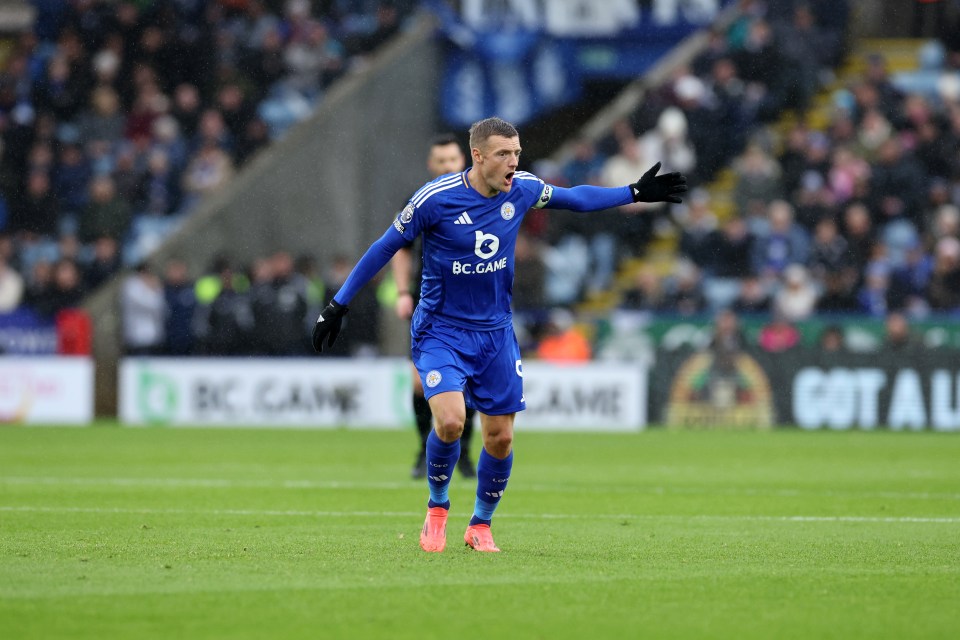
433,378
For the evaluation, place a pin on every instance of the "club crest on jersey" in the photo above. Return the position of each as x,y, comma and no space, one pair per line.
433,378
507,211
407,214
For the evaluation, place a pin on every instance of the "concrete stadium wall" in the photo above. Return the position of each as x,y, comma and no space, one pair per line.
329,187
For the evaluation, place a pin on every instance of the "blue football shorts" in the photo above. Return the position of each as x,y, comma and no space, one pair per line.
484,365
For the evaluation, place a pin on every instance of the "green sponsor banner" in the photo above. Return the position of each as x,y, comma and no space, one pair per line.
860,334
907,389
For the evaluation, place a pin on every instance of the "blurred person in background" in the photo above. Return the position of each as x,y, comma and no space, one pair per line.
463,342
943,289
65,290
784,243
728,339
223,321
444,156
831,340
562,342
897,335
143,312
872,296
181,300
37,214
699,224
11,287
105,262
754,298
838,293
106,213
778,335
797,298
684,291
645,293
279,307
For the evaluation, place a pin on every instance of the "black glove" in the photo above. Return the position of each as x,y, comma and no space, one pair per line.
328,325
653,188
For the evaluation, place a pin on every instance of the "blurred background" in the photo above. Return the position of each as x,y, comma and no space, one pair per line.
183,180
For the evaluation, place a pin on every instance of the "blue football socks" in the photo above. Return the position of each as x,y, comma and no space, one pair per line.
492,476
441,458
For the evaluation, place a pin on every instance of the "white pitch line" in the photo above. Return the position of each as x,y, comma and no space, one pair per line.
221,483
527,516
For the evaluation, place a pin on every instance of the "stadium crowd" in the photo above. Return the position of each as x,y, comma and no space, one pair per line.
858,218
117,117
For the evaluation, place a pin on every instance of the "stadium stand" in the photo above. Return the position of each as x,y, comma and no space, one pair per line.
839,200
118,117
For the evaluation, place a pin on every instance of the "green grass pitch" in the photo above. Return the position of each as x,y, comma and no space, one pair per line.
157,533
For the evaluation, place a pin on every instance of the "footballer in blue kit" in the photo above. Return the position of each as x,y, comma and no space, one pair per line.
462,339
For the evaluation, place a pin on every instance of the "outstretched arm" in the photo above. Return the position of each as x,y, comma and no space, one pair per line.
649,188
588,198
331,318
376,257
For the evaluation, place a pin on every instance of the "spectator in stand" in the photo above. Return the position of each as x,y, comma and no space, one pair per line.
224,322
531,273
38,213
873,294
943,290
208,171
829,253
733,249
586,165
313,59
66,290
897,334
753,299
793,159
11,287
105,262
187,108
143,312
668,142
106,214
684,296
859,234
39,287
562,342
727,341
797,298
698,238
181,303
784,243
103,122
72,177
758,184
158,192
280,308
839,293
805,51
778,335
254,137
896,185
832,340
646,293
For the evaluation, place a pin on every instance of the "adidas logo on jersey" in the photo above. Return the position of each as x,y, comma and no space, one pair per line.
464,219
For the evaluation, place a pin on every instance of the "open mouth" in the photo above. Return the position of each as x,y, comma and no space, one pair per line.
509,177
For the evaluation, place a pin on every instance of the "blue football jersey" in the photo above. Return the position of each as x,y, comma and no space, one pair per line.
468,246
